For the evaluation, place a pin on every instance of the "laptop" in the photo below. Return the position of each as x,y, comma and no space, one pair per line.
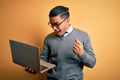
28,56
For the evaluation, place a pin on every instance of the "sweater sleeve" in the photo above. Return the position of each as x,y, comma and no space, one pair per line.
88,57
45,53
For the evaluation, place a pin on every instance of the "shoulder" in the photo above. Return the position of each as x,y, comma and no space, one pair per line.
82,35
80,32
51,35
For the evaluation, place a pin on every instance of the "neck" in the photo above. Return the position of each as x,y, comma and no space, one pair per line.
67,27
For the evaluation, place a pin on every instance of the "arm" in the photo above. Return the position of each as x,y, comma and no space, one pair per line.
44,55
85,52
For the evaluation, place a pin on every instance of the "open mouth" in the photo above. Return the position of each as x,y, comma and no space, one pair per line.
57,31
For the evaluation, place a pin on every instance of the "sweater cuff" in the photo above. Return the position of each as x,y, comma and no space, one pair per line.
83,56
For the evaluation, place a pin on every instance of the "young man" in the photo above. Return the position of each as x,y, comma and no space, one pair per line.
67,47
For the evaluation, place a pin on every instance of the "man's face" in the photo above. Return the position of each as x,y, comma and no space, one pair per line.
59,25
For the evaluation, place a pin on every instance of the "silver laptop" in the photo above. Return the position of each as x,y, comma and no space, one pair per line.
28,56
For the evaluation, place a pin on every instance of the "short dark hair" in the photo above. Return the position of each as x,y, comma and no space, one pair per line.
60,10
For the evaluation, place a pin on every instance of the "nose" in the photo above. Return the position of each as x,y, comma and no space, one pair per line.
54,27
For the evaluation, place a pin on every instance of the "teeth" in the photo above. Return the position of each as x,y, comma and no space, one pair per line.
57,31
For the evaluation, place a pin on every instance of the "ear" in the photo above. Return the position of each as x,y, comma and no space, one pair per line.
68,19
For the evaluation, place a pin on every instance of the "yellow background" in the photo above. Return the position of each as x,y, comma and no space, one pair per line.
26,21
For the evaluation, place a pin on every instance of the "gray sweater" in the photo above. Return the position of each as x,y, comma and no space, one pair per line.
69,66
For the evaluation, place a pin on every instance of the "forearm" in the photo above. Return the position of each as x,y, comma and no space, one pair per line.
88,60
43,57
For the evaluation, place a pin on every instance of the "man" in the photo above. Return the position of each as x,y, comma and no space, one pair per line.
67,47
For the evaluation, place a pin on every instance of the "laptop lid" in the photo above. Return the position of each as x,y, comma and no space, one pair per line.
28,56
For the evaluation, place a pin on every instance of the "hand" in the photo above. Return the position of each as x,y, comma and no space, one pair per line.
78,47
30,70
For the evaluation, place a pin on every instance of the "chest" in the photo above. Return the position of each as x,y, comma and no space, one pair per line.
61,49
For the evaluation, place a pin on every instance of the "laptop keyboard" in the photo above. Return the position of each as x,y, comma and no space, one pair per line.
42,67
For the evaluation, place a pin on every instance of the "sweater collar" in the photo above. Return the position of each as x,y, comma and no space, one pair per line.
69,30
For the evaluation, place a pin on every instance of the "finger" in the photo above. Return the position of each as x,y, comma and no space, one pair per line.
30,69
26,68
75,50
78,46
78,42
75,47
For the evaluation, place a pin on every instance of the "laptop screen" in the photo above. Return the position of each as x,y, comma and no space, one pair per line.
25,55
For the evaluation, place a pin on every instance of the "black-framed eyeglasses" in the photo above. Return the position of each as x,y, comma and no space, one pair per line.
56,24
